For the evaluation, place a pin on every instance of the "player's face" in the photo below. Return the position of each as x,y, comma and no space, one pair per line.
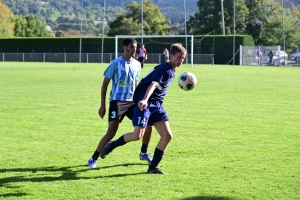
130,49
177,59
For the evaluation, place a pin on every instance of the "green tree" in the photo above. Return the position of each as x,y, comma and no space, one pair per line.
272,32
154,22
209,17
255,20
27,26
19,28
30,29
6,21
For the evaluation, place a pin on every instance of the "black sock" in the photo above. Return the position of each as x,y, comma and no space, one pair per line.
158,155
96,155
144,148
119,142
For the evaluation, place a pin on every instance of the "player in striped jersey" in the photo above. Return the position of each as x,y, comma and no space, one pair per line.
124,73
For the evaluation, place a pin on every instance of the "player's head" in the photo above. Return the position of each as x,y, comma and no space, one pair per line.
129,46
177,54
128,41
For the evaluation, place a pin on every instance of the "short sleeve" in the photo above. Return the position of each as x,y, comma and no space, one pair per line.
138,75
165,78
110,70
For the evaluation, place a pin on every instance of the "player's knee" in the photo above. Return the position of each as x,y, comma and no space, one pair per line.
167,137
110,133
137,136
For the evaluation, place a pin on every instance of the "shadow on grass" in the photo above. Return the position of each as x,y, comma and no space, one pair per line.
52,173
17,194
207,198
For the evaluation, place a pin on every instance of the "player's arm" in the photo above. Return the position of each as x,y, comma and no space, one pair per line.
146,56
137,54
102,108
143,103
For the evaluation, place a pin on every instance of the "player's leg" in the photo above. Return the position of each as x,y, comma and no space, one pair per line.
116,114
164,130
140,121
137,134
160,121
143,155
111,132
141,60
145,143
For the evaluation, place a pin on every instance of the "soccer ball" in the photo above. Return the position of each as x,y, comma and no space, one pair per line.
187,81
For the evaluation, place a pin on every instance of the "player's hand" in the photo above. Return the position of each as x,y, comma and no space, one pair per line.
142,105
102,111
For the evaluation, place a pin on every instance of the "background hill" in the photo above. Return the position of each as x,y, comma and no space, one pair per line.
65,15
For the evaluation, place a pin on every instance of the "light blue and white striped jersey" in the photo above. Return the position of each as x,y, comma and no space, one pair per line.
123,75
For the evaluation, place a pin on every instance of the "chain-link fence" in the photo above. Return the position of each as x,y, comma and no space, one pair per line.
260,56
90,57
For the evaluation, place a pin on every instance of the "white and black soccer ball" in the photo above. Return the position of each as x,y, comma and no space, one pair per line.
187,81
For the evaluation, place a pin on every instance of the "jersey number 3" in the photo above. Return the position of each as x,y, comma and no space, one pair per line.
113,114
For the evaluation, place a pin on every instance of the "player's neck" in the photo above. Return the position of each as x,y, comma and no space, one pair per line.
172,65
127,58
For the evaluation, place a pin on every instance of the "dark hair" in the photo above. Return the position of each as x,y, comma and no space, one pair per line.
128,41
177,47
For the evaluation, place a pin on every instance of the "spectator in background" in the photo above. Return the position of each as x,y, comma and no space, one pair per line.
258,54
271,54
142,55
166,53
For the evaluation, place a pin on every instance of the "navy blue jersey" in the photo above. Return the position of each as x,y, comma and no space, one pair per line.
162,74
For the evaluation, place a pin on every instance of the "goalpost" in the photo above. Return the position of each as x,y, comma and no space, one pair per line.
163,41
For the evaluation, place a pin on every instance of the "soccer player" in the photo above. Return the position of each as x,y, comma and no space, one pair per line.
142,55
124,72
148,97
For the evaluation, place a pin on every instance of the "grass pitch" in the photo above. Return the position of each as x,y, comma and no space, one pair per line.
236,136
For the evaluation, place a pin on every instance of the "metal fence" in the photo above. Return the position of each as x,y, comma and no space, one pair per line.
90,57
258,56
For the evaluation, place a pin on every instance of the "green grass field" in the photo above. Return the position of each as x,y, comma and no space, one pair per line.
236,136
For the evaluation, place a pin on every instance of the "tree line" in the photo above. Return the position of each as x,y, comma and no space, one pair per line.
262,19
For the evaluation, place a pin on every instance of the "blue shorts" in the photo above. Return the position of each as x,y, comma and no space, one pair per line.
152,114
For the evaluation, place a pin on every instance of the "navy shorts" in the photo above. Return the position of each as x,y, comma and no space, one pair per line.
152,114
119,109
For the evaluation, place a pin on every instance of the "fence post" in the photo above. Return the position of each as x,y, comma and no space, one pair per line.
159,58
241,55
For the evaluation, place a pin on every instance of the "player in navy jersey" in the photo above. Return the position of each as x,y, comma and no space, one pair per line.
148,98
124,72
